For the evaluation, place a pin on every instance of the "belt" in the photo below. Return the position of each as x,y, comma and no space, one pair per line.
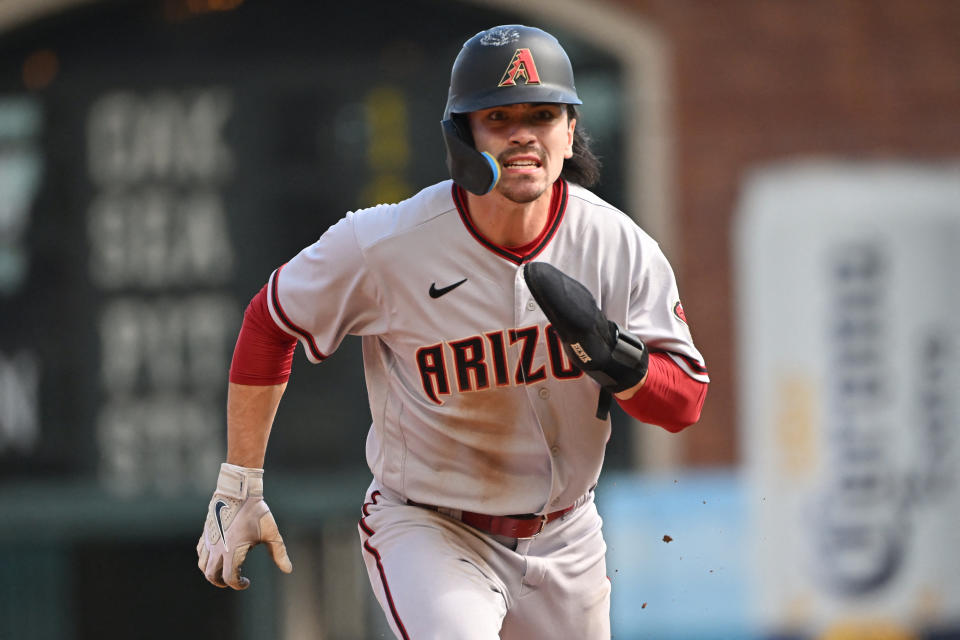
520,526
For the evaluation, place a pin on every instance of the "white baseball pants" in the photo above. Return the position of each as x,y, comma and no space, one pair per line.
439,579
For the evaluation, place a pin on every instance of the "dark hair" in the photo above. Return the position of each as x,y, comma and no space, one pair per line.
583,167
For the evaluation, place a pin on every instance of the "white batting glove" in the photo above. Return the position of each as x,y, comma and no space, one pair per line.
237,520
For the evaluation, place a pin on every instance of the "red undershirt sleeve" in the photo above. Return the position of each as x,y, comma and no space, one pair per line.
263,354
669,398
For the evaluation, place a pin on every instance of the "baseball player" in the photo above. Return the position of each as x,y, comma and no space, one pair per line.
500,313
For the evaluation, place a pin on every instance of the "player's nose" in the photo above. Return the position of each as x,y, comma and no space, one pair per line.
522,134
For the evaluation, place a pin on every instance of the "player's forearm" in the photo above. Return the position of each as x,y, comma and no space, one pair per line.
258,376
250,413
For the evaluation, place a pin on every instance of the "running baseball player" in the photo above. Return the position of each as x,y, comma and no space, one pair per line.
500,313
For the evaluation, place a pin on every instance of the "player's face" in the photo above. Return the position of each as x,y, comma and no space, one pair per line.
530,141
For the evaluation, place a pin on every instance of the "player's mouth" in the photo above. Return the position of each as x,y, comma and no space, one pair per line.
522,163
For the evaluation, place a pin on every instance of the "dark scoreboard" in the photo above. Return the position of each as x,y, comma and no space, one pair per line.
157,161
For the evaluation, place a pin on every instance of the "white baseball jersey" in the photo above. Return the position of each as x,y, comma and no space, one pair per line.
475,405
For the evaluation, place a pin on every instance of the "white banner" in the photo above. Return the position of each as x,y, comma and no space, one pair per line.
848,302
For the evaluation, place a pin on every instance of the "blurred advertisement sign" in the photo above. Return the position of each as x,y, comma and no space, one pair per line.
849,318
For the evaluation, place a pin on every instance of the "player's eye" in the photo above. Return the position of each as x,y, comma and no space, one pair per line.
496,116
546,115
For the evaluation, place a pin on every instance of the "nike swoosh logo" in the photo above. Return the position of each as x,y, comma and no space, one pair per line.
436,293
217,508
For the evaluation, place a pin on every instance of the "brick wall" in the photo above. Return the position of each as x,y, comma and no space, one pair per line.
761,81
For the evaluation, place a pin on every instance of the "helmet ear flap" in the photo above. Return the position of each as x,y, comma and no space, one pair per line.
462,122
477,172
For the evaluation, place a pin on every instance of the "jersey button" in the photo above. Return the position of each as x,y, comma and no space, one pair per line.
531,305
555,450
544,393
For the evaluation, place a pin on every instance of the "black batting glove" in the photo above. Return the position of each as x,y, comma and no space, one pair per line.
607,353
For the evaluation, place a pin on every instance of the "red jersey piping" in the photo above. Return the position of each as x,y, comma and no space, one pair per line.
558,205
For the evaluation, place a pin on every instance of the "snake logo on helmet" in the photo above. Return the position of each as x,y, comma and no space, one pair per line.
509,64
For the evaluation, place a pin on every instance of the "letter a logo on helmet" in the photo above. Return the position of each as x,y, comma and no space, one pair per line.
522,65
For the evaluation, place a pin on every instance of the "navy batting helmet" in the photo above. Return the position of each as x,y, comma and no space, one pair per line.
509,64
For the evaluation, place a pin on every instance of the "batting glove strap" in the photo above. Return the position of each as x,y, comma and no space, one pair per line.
239,482
629,359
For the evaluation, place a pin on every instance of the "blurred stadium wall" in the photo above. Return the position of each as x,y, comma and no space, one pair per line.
159,157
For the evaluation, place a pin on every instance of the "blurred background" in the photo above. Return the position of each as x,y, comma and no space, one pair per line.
798,160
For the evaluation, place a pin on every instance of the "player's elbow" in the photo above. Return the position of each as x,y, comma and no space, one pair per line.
687,414
673,408
678,425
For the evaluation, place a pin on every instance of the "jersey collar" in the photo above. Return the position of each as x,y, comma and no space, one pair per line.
527,252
